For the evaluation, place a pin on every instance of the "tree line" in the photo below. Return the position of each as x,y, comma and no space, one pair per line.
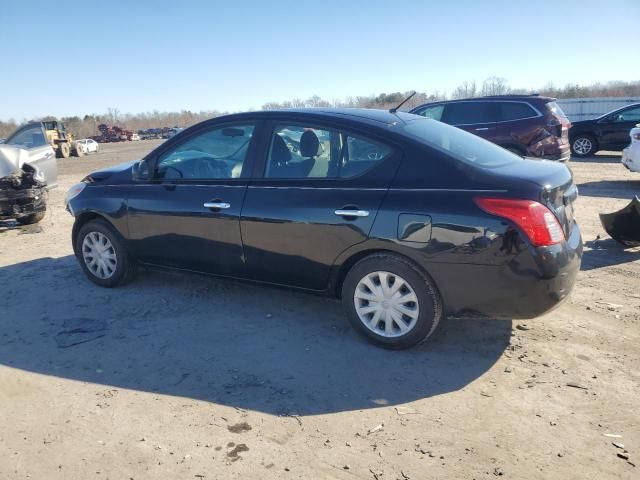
88,125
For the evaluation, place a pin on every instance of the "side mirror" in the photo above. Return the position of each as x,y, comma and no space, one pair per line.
140,171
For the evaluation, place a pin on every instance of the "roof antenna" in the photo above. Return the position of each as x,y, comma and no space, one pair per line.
394,110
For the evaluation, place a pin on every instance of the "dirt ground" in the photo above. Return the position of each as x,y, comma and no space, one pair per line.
193,377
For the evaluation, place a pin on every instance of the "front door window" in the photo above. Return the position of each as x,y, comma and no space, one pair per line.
218,153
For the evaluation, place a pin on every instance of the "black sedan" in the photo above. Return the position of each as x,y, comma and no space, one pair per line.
405,218
607,132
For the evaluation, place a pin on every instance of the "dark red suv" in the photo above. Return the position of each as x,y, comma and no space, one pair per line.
528,125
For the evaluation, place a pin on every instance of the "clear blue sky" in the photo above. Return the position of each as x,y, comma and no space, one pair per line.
235,55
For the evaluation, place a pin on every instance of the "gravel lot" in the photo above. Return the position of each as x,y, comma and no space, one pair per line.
196,377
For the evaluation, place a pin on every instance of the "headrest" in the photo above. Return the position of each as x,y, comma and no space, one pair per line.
309,144
279,152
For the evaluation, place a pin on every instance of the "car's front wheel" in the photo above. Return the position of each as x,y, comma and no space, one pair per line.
31,219
391,301
102,255
584,145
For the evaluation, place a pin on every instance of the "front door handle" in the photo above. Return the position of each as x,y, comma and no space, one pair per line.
481,129
216,205
352,213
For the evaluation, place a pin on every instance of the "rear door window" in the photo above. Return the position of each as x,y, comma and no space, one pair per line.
469,113
515,111
305,151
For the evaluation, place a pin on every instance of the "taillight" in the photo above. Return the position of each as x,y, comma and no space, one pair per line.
555,126
538,223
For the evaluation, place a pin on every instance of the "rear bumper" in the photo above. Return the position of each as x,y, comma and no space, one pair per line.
563,156
534,282
631,157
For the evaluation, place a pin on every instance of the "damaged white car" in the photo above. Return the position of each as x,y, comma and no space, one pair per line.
28,169
631,154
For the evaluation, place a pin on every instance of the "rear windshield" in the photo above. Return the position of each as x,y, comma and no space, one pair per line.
459,144
554,108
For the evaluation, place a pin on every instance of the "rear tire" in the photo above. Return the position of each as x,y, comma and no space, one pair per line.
584,146
102,255
78,151
391,301
31,219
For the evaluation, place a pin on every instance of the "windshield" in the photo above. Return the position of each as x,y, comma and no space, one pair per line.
459,144
29,136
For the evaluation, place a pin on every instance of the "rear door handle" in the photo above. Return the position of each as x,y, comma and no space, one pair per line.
480,129
216,205
352,213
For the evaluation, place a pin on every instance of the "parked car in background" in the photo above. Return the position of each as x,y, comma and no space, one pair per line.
88,145
28,168
29,144
607,132
405,218
171,132
134,137
631,154
528,125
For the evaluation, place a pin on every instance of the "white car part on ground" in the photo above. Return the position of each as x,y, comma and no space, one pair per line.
631,154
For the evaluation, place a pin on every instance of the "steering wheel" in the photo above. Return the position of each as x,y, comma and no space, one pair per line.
208,168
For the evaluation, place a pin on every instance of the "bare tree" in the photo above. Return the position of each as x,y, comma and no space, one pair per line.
494,86
113,115
465,90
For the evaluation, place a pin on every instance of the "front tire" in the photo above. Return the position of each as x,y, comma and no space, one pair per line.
102,255
31,219
391,301
584,146
64,150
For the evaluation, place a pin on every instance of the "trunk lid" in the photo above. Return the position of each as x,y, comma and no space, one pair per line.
550,183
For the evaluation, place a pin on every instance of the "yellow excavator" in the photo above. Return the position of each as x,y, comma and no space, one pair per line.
62,141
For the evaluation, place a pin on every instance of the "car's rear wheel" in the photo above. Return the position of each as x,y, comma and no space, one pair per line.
102,255
584,145
78,151
391,301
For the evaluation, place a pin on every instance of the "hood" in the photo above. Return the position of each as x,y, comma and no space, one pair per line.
116,173
12,158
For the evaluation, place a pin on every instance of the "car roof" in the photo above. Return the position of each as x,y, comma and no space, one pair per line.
369,116
624,107
492,98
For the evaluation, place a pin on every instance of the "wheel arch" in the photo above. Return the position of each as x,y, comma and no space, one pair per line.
349,258
82,219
